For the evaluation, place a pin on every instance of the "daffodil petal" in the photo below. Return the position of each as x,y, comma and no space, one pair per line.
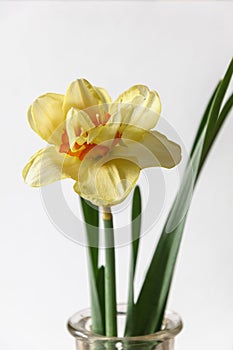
46,117
48,165
143,109
108,131
81,95
106,184
166,152
104,95
141,95
78,123
154,150
80,127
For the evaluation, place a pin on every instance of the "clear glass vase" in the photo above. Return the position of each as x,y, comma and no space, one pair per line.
79,326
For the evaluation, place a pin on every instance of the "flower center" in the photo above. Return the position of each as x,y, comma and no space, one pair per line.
99,119
82,150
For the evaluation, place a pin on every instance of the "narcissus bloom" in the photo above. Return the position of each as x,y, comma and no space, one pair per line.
100,144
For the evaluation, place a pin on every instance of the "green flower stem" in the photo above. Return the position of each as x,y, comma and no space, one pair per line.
110,276
91,217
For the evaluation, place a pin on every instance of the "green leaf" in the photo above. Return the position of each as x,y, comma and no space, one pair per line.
136,229
152,300
101,291
219,123
91,216
214,111
224,112
203,120
153,296
110,277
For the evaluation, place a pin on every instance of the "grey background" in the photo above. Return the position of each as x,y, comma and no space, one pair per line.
181,49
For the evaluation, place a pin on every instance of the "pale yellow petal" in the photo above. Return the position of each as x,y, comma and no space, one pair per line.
141,95
108,131
48,165
140,107
104,95
106,184
167,152
46,117
78,123
81,95
126,128
154,150
81,128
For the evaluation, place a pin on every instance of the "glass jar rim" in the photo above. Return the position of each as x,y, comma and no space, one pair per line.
172,325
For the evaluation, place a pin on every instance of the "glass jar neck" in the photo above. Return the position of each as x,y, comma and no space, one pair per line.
79,326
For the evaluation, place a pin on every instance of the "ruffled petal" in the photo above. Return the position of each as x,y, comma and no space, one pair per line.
81,95
46,117
106,184
48,166
154,150
82,126
78,123
108,131
139,106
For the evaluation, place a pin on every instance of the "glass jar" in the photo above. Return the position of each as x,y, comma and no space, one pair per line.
79,326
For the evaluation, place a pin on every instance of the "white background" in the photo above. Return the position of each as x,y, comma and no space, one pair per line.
179,48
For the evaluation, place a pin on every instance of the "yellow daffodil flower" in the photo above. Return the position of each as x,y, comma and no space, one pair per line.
100,144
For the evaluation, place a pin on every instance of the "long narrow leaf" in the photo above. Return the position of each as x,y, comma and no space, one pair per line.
222,117
224,112
101,292
203,120
215,108
110,276
155,290
136,229
91,216
154,293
